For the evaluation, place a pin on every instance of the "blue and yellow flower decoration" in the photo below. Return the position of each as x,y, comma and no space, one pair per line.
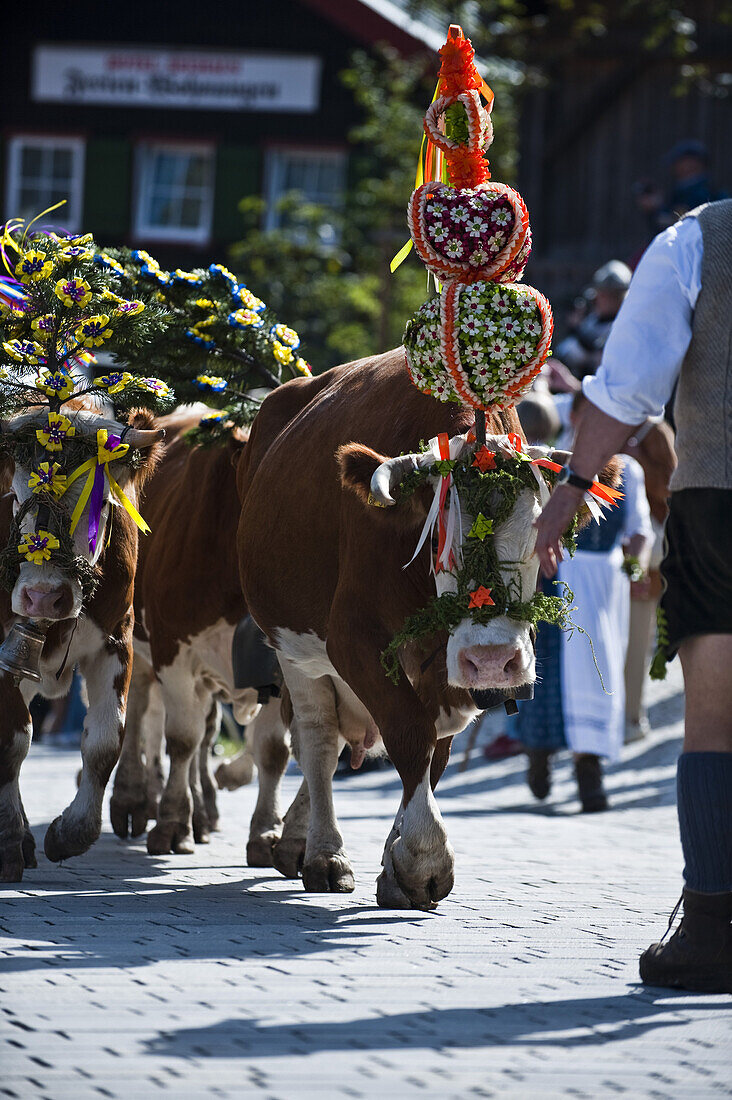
94,331
73,292
33,266
58,429
46,478
56,383
114,382
210,382
38,546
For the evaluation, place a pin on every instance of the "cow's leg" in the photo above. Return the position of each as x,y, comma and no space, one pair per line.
208,787
153,734
107,671
271,754
128,806
185,726
315,725
288,854
17,847
199,778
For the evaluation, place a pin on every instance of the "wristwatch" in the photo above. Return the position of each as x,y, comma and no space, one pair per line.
567,476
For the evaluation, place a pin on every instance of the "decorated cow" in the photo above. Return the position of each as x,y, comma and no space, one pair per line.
397,577
74,454
188,604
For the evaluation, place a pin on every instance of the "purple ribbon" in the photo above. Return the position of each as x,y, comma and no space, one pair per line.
96,500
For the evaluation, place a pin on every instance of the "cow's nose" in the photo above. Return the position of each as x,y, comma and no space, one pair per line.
488,666
46,603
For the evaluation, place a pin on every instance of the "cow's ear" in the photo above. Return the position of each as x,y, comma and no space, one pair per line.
357,465
144,419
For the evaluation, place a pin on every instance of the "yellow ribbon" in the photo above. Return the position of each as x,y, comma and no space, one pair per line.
103,457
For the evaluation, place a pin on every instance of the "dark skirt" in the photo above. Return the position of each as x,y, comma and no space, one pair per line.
540,721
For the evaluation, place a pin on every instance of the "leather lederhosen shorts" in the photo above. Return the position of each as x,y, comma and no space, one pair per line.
697,566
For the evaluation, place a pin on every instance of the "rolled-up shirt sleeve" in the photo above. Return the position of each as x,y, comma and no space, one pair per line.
651,334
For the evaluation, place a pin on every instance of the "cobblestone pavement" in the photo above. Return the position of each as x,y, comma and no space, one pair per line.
123,975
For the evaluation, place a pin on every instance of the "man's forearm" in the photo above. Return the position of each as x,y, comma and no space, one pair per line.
598,438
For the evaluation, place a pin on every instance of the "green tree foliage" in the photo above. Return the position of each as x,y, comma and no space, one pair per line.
342,297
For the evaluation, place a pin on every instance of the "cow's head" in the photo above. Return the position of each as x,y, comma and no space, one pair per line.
499,652
49,587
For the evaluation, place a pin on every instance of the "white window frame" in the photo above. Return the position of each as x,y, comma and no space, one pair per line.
69,216
274,157
141,227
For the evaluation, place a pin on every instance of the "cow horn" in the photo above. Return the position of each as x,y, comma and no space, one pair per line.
388,475
143,437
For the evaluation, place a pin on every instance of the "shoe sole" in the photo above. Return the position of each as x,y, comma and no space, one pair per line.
691,981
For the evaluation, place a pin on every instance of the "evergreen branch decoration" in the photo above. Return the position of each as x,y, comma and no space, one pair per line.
223,346
58,306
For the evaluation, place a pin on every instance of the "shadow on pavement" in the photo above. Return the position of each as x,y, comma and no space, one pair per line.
600,1020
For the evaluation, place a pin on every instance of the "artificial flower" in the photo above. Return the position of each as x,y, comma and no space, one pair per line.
497,349
109,261
56,383
58,428
47,478
38,546
73,292
454,249
155,385
93,332
43,325
243,295
281,353
200,337
24,351
189,277
285,335
475,226
204,303
303,367
210,382
481,528
481,597
130,307
114,382
33,266
74,253
245,318
226,275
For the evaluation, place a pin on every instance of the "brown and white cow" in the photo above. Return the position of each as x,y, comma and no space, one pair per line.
96,635
188,601
325,579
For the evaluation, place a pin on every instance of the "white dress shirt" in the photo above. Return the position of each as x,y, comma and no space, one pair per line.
651,334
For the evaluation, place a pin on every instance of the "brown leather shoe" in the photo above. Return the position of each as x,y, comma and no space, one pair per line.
698,956
539,776
588,770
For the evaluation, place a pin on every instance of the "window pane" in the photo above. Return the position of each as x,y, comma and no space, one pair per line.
196,172
190,213
61,164
30,162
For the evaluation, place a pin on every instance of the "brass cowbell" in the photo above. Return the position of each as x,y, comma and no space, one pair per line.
20,653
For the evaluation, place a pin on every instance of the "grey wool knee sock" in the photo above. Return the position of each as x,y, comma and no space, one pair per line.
704,792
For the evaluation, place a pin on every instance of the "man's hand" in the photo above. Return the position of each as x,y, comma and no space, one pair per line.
552,523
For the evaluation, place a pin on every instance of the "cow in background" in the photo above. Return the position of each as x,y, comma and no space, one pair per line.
95,634
188,601
324,579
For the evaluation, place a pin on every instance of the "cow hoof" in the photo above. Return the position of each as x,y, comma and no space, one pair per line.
168,838
288,856
128,818
425,879
328,874
260,850
201,829
64,840
389,895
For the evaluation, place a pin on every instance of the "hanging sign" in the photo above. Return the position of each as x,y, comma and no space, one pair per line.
187,79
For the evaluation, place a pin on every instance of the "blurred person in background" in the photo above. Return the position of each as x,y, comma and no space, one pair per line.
581,349
691,186
571,708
